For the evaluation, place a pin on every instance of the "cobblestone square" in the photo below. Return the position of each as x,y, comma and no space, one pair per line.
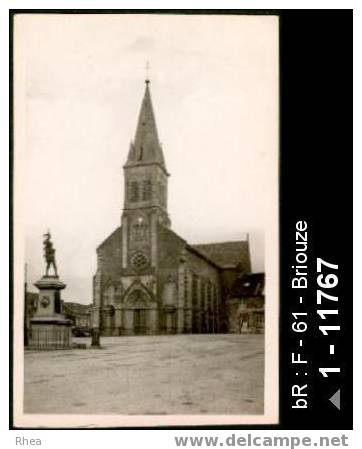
179,374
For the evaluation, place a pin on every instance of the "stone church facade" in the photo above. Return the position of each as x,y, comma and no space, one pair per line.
149,280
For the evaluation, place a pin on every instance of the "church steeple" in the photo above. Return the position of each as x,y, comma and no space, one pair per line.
146,147
145,170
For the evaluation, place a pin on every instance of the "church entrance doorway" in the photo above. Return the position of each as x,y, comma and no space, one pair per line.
140,321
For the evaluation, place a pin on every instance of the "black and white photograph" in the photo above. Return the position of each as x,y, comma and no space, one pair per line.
146,260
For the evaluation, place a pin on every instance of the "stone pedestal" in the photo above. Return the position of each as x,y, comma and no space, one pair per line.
49,329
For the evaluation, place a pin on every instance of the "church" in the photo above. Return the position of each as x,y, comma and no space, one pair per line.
149,280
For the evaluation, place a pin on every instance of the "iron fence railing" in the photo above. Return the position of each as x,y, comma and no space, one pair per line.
49,338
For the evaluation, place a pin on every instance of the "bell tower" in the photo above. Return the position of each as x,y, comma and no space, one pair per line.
145,202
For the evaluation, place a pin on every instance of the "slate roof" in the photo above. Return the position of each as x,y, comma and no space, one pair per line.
75,308
227,254
248,285
146,147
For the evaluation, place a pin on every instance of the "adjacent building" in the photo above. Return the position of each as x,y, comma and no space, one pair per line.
245,304
78,314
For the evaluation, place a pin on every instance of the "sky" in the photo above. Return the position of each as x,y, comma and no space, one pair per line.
79,83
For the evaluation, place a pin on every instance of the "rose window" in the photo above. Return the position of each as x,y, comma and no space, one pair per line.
139,260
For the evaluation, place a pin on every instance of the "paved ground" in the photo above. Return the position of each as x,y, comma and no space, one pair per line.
181,374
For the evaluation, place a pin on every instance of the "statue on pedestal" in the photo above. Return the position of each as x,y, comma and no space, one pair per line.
49,328
49,254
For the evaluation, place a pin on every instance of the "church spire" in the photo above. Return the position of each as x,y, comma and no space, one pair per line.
146,148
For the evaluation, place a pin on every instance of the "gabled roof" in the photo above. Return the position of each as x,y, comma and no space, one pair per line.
167,230
248,285
227,254
116,234
146,148
183,243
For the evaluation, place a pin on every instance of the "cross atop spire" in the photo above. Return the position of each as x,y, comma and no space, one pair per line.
147,72
146,147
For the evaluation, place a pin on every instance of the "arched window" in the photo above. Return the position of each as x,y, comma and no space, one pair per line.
149,189
140,156
203,291
146,190
133,191
139,230
194,291
186,291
